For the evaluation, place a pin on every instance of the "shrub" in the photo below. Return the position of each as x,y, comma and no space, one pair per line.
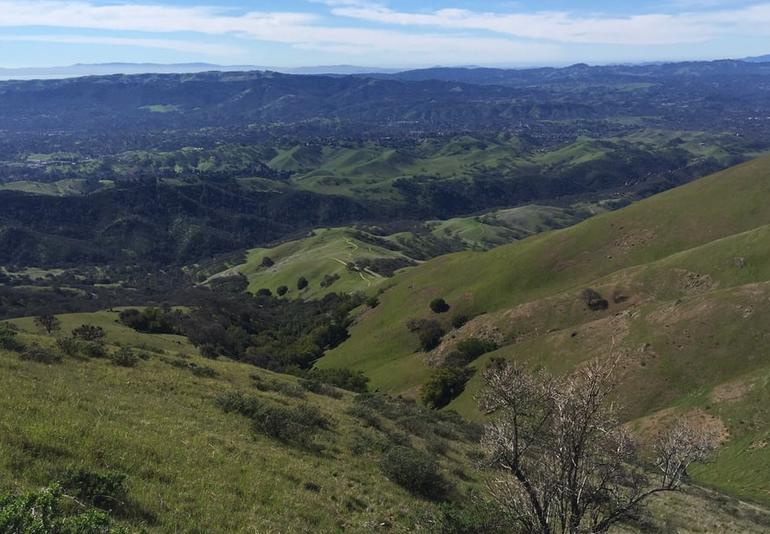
267,261
319,388
594,300
459,320
372,302
202,371
69,346
366,415
88,332
444,386
297,426
8,338
429,331
285,388
282,290
439,306
47,511
125,357
36,353
342,378
302,283
106,491
49,323
329,279
468,350
413,470
209,351
264,292
93,350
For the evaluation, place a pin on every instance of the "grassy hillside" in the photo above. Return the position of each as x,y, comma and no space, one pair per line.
684,275
192,467
364,258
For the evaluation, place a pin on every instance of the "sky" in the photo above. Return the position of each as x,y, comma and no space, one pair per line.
379,33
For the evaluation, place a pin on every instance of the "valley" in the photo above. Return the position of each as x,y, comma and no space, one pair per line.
251,301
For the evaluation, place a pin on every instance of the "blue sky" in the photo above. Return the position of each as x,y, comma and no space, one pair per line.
386,33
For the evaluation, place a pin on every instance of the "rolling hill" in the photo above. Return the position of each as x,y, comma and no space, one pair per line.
364,257
682,285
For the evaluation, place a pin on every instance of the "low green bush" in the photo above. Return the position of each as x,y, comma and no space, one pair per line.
297,425
414,470
125,357
48,511
36,353
443,386
9,338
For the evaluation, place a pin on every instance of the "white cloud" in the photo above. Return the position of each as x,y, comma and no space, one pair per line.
647,29
443,35
214,50
301,30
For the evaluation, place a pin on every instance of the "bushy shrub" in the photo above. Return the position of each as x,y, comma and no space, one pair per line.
264,292
329,279
443,386
302,283
459,320
69,346
267,262
282,290
414,470
285,388
47,511
594,300
372,302
429,331
106,491
366,415
439,305
314,385
125,357
8,338
468,350
297,426
89,332
355,381
93,350
36,353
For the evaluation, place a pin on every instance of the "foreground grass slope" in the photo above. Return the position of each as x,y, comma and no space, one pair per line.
684,275
192,467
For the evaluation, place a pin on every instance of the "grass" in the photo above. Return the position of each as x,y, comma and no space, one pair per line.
692,267
191,467
327,251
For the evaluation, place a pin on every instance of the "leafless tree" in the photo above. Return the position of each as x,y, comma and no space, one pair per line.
49,323
564,462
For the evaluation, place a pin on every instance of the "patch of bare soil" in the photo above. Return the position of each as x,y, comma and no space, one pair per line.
633,240
651,426
731,391
693,283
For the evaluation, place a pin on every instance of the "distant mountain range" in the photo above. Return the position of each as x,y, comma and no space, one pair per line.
758,59
104,69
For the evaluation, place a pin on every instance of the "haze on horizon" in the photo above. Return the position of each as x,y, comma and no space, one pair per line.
382,34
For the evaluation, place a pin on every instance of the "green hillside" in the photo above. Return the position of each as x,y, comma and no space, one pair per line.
350,259
172,424
684,275
191,466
